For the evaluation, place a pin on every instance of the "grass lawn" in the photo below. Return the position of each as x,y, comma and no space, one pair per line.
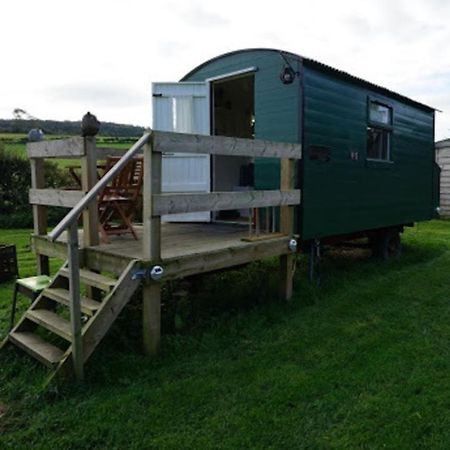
361,361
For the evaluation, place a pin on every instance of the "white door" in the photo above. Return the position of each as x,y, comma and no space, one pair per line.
183,108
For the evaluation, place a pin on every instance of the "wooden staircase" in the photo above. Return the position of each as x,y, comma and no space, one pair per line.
45,332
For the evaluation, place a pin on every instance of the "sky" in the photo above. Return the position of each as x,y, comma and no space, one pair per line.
63,58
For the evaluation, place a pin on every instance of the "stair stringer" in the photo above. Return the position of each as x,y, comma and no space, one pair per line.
97,327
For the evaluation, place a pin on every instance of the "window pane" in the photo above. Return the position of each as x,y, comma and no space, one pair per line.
379,113
378,143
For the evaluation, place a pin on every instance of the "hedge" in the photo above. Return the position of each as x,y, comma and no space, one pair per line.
15,181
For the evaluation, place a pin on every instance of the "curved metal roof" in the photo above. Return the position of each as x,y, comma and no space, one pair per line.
320,66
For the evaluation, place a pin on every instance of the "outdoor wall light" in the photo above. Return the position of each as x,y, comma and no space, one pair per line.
287,75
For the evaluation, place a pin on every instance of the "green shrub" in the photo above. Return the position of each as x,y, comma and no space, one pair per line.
15,181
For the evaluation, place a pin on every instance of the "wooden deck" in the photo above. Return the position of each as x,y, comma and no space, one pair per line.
179,240
180,249
184,246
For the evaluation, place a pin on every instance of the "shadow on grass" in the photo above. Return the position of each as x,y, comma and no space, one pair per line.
216,298
215,303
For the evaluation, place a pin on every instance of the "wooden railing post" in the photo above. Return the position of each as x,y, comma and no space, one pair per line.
287,262
151,293
39,212
88,180
74,306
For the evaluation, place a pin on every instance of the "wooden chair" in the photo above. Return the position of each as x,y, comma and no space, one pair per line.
119,201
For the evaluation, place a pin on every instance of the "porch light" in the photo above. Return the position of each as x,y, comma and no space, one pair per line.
287,75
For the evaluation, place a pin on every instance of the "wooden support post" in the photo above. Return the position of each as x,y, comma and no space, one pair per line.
90,214
88,180
75,308
151,293
151,317
287,262
39,212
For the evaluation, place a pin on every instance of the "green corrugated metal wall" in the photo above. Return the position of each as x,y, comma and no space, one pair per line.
276,105
339,196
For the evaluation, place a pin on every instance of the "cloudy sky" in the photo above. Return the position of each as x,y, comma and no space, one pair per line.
61,58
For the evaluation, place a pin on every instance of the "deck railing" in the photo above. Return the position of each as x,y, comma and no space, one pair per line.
155,204
40,198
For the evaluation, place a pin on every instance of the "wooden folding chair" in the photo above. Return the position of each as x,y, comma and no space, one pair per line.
119,201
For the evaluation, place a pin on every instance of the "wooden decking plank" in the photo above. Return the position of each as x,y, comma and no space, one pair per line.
51,321
96,259
201,238
35,346
88,306
93,279
203,244
179,241
202,262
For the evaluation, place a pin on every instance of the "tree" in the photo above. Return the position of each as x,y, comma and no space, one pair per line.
21,114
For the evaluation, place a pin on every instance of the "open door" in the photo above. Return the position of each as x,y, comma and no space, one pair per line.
183,108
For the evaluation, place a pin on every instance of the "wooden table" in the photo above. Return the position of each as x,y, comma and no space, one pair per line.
74,170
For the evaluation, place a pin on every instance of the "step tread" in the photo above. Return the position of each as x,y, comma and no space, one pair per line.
37,347
51,321
62,296
92,278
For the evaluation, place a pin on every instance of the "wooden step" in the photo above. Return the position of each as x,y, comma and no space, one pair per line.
88,306
51,321
92,279
35,346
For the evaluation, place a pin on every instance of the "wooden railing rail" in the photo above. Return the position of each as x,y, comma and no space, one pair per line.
62,148
222,201
221,145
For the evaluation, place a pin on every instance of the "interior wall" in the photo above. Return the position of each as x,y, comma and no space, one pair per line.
233,116
228,172
234,107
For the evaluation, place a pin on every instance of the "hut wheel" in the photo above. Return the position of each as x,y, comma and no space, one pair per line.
386,244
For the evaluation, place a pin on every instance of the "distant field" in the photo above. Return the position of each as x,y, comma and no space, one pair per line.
15,143
12,136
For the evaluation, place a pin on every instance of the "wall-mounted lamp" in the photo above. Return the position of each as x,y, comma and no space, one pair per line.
287,75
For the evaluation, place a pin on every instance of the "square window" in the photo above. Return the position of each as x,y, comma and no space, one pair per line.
379,113
378,143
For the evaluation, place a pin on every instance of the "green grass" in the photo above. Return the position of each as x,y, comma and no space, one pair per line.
362,361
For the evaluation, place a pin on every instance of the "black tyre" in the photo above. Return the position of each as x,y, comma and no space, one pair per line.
386,244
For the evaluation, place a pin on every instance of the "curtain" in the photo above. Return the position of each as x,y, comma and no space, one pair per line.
183,114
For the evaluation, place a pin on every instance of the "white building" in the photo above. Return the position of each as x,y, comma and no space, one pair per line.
443,159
